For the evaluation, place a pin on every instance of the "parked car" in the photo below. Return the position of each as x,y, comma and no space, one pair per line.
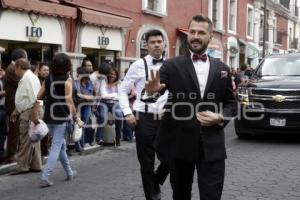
269,102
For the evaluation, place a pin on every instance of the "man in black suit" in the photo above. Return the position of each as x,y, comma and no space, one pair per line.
200,104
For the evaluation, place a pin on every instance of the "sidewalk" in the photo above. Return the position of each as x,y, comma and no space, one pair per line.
7,168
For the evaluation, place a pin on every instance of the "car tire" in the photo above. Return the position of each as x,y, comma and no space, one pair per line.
240,131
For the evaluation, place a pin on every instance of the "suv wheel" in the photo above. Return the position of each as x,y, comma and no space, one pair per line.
240,131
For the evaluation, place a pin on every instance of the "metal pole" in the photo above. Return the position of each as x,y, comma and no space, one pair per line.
264,29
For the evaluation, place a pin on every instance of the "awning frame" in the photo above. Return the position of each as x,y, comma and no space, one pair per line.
41,7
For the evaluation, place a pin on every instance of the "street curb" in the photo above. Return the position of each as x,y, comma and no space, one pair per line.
7,168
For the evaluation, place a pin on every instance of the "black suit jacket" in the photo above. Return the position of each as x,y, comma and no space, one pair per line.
181,136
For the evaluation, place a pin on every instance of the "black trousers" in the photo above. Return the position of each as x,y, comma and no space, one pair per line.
210,179
145,133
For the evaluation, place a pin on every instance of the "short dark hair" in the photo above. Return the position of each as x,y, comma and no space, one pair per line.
201,18
43,64
153,32
104,68
61,64
84,61
18,53
23,63
5,59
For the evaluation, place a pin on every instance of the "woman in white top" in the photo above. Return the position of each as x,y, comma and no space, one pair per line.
110,103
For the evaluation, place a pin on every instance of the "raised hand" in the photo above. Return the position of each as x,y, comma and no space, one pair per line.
153,85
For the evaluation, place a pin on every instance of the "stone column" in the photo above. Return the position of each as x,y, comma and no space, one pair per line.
76,59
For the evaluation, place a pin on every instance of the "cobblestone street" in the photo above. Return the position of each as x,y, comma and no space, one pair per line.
260,169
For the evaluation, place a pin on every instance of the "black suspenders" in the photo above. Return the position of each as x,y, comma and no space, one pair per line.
146,73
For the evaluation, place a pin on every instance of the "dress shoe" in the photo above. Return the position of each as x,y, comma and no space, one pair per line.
79,149
71,177
35,170
92,143
17,172
118,142
100,142
45,183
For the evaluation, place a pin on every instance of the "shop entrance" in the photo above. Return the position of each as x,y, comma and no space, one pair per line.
97,56
36,52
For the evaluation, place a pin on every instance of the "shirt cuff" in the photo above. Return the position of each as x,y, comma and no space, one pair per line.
127,111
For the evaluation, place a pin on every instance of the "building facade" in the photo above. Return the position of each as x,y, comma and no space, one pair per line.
113,31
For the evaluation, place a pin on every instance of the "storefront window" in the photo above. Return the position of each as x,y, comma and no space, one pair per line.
143,47
36,52
97,56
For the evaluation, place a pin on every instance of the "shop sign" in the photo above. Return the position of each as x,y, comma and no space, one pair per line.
33,32
103,42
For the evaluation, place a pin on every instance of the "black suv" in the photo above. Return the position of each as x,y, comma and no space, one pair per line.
269,102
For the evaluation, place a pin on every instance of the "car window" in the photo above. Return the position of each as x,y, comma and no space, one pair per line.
279,67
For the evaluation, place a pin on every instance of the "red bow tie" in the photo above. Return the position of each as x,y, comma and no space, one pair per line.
196,57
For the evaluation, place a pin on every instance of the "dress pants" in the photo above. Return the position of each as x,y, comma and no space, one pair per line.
3,132
29,154
145,133
210,179
13,136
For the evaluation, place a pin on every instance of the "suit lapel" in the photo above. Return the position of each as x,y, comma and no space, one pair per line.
211,74
189,66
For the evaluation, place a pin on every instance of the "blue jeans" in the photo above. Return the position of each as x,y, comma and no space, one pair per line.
103,110
58,150
127,131
85,113
3,131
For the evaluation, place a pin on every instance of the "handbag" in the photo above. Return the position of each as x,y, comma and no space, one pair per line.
73,129
38,131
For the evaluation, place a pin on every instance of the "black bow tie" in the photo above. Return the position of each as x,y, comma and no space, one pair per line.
155,61
196,57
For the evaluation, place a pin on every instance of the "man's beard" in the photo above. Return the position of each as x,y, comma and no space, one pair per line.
198,51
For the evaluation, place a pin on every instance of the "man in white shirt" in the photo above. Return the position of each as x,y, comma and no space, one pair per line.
29,154
144,117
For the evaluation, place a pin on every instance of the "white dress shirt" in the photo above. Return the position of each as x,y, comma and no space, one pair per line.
136,77
27,91
202,70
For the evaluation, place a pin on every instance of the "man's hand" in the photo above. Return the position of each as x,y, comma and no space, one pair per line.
13,116
131,121
153,85
35,118
208,118
94,109
79,122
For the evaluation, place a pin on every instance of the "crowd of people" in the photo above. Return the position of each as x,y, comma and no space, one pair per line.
240,76
94,94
